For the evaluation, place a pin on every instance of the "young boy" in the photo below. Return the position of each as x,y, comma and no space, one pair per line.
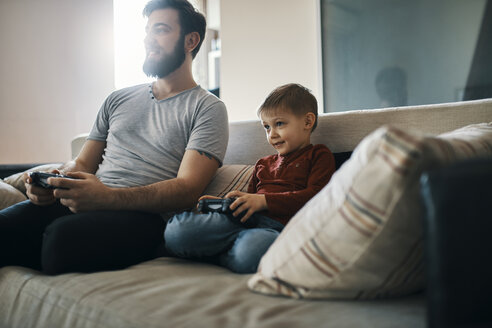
280,185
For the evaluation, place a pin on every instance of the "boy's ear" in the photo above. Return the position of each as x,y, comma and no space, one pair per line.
309,120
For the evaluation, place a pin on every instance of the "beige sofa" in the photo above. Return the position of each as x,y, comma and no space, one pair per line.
170,292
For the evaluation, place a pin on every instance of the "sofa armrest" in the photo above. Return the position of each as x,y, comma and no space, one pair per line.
77,143
457,225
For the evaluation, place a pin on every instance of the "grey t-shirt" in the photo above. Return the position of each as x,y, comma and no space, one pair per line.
147,138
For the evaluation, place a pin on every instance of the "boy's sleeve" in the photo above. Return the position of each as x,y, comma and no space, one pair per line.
286,204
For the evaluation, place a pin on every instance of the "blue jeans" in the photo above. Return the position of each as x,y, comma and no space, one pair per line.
217,238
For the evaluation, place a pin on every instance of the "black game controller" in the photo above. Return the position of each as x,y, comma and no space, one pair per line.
222,206
41,178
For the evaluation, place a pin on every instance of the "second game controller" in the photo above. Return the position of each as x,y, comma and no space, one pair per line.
222,206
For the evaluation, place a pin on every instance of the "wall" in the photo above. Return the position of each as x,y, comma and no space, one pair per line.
266,44
56,68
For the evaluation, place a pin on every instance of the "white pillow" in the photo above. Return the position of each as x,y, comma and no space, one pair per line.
361,236
15,180
9,195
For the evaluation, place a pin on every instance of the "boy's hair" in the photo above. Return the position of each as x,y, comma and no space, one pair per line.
190,19
294,97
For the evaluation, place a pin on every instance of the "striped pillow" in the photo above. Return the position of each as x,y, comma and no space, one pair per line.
361,236
228,178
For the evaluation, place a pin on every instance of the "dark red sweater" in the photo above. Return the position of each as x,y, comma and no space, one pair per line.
289,181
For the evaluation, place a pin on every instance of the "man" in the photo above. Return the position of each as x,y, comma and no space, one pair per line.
153,149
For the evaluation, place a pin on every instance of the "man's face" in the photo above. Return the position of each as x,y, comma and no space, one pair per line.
164,43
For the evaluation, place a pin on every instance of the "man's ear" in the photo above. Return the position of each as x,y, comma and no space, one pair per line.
191,41
309,120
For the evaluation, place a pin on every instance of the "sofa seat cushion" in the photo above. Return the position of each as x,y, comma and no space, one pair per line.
361,236
170,292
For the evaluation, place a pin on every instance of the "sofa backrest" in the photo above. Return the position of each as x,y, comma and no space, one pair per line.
342,131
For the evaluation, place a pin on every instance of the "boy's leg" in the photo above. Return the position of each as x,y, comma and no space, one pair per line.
100,240
248,249
250,246
193,235
21,232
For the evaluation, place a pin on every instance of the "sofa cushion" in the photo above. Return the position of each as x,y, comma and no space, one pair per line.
361,236
9,195
15,180
228,178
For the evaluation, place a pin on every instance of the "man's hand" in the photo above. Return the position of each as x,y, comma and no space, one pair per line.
247,202
83,193
38,195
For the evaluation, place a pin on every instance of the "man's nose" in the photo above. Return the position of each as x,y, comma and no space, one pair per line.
148,39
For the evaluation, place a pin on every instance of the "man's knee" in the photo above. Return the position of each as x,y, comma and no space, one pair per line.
59,240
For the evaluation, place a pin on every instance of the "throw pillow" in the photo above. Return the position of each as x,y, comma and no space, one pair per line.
9,195
15,180
228,178
361,236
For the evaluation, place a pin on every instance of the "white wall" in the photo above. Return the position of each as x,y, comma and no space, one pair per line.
56,68
266,44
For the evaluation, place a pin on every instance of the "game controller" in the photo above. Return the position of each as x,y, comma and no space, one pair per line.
222,206
41,178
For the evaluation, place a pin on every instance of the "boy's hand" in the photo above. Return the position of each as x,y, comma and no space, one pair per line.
247,202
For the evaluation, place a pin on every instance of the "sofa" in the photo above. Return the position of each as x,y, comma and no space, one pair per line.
368,279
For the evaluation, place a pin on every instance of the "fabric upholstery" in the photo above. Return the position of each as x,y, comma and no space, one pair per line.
229,178
342,131
170,292
361,236
15,180
9,195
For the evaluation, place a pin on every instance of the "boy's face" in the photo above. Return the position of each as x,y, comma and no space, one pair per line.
287,132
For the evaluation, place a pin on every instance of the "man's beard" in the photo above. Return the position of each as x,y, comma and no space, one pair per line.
166,64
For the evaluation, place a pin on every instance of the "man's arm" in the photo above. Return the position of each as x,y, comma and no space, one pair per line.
88,160
88,193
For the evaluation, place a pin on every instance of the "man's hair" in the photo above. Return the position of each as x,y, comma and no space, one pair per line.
190,19
294,97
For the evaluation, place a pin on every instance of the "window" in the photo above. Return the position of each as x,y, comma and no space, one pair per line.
382,53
